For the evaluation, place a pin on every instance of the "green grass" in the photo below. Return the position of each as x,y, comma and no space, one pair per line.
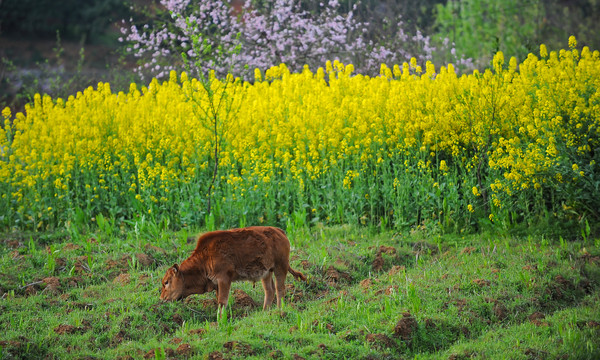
369,295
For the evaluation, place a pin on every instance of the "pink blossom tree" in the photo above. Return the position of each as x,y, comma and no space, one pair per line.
264,34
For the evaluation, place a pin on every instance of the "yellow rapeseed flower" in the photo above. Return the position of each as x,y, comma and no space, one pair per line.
572,42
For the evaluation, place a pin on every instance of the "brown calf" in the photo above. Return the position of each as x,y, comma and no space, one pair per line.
222,257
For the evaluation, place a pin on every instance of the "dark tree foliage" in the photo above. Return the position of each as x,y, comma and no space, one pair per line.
74,19
571,17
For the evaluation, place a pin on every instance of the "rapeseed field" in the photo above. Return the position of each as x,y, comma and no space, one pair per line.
417,146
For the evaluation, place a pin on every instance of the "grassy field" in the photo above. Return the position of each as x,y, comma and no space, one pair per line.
371,294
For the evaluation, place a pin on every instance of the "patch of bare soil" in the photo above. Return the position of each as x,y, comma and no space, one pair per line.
118,338
396,269
378,262
468,250
177,319
425,247
276,354
500,311
589,323
144,260
184,350
557,289
14,244
155,249
294,292
342,294
536,319
535,354
152,353
243,300
67,329
210,303
143,279
366,284
306,264
198,332
481,282
52,285
406,327
215,355
380,341
71,246
238,348
334,276
60,264
459,303
32,289
122,279
120,264
81,265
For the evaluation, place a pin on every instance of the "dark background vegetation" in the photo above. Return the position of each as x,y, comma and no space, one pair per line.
61,47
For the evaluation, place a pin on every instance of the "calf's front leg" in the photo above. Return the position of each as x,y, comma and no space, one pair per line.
223,287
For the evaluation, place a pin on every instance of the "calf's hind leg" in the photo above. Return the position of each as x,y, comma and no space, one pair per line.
280,275
269,288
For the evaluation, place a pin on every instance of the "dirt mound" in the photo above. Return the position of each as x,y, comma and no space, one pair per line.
468,250
144,260
406,327
71,246
52,285
156,249
14,244
167,351
177,319
239,348
120,264
215,355
559,288
276,354
425,247
60,264
536,319
198,332
67,329
379,261
380,341
481,282
119,338
243,300
396,269
306,264
334,276
184,350
81,265
366,284
122,279
32,289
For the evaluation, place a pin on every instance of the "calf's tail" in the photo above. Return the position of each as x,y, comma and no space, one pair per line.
297,274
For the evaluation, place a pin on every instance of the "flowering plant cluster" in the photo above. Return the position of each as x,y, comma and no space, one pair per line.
414,146
261,37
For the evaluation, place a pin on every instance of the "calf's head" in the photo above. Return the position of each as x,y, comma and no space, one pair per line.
172,285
